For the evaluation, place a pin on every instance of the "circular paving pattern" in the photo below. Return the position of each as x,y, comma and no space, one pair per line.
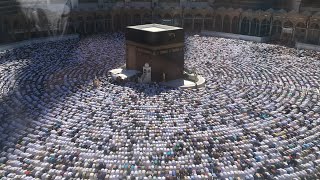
257,117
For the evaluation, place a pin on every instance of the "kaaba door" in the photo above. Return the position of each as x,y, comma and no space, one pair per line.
131,57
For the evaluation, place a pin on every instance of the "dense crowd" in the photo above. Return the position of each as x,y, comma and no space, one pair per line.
258,117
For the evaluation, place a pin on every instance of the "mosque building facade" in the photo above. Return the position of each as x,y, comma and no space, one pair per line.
21,20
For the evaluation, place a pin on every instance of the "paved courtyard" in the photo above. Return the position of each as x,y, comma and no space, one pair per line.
258,117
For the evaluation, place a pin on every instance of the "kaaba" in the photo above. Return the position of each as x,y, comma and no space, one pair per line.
161,46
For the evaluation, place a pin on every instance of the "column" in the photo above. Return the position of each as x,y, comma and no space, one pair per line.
202,24
74,27
182,21
258,26
152,15
104,24
112,20
11,32
231,22
141,16
108,26
122,20
222,21
192,24
240,21
249,27
270,28
294,32
1,25
307,33
85,25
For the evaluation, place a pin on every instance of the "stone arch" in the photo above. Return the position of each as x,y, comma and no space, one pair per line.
100,24
66,25
235,24
137,19
265,27
128,19
198,16
198,22
71,25
288,24
80,25
59,26
226,24
108,22
245,26
32,27
300,32
117,22
42,17
208,22
1,25
17,25
17,31
177,20
188,16
167,16
5,30
218,23
167,19
147,18
157,18
188,22
276,28
313,33
90,24
254,29
287,35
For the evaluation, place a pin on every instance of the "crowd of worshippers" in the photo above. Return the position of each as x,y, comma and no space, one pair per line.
62,118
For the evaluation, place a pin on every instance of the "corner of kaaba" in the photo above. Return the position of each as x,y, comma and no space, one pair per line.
161,46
